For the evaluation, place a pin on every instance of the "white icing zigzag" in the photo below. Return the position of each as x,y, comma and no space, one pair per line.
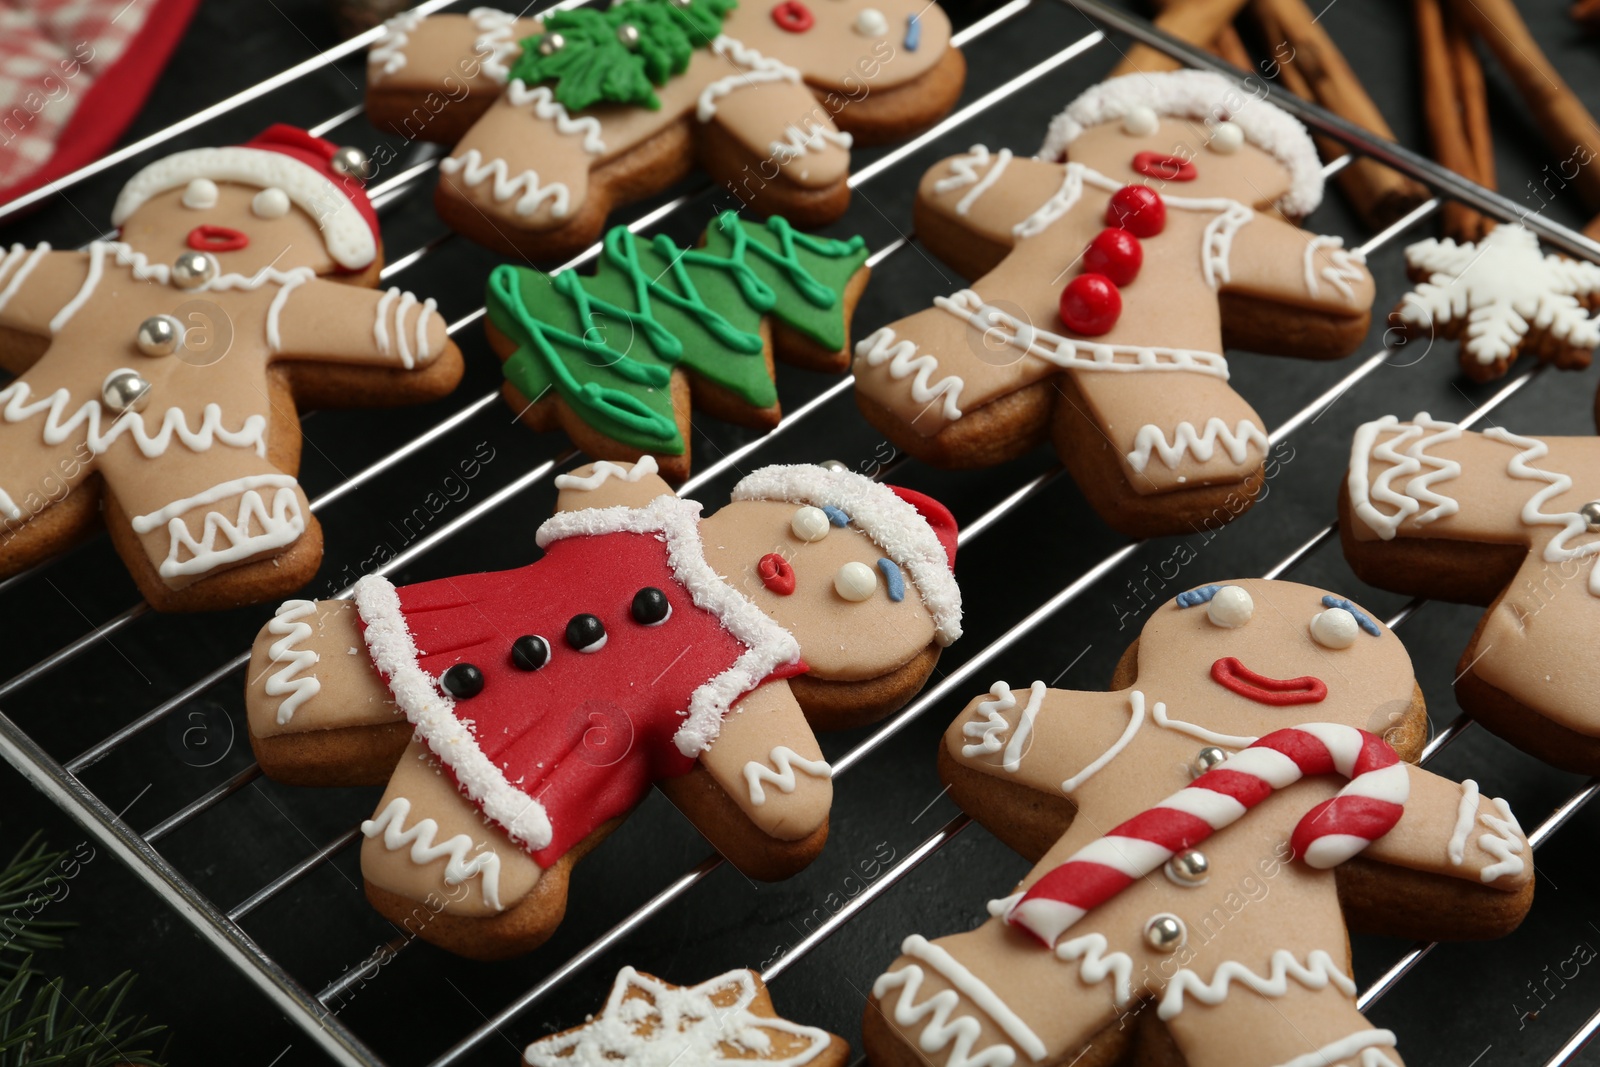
388,54
1571,522
1369,1043
1505,843
964,173
1343,266
291,630
547,109
881,347
992,731
462,865
1318,972
496,41
604,471
944,1027
1186,440
474,171
757,68
813,138
280,526
58,426
785,761
1406,453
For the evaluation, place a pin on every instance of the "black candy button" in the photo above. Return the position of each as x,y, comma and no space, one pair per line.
586,633
650,606
463,681
530,652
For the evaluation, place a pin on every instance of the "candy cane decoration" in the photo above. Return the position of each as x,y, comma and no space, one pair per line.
1330,833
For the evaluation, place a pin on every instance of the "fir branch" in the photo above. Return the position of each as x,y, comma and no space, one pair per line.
88,1030
27,882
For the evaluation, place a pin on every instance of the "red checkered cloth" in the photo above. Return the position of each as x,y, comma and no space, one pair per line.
73,73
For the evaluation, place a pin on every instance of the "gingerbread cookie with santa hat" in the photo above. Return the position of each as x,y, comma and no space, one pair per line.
1154,228
1205,835
159,374
517,717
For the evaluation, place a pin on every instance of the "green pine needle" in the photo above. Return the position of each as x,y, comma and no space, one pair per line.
27,885
46,1027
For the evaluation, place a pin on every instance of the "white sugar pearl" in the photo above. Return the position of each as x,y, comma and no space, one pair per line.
810,524
1334,628
1226,138
1231,607
855,581
871,23
271,203
1140,121
200,194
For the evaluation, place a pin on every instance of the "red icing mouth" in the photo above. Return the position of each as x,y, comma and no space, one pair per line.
217,239
1165,168
1278,692
776,574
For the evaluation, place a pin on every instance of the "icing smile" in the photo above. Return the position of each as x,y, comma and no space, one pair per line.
1278,692
217,239
1165,168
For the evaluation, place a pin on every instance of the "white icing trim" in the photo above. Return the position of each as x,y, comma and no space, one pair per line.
221,491
1343,267
784,761
547,109
1317,973
1158,715
1366,1042
940,1031
525,186
387,54
768,646
814,138
1466,813
1098,964
280,526
604,471
1198,95
496,37
1505,842
420,839
1135,720
293,281
407,301
757,68
286,623
14,397
350,241
893,525
993,730
380,324
1202,445
23,271
1406,453
881,347
963,173
1572,523
97,263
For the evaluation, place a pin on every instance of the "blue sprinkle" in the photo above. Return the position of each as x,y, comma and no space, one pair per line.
835,516
913,33
892,579
1197,596
1362,619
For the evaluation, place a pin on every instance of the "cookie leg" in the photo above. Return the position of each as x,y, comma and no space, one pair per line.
319,713
48,497
1303,1026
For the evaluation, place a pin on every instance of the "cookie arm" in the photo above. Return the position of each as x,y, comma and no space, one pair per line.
330,322
605,484
1275,261
1454,830
768,761
458,59
41,290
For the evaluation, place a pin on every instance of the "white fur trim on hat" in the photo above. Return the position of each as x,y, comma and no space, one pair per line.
892,523
350,240
1203,96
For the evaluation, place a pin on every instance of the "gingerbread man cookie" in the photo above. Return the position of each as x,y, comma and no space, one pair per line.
557,122
650,1023
159,373
1503,520
1107,288
1204,833
614,359
529,711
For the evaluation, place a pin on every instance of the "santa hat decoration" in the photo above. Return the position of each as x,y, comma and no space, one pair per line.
319,177
916,532
1207,98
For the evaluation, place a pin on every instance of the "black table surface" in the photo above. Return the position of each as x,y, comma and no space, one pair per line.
1487,1003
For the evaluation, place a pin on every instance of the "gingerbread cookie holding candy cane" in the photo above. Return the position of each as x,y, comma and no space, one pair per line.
1109,283
159,373
1204,835
518,717
1494,518
557,122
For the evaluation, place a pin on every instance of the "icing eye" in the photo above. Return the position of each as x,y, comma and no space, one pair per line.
792,16
270,203
651,607
810,524
871,23
586,633
530,652
1226,138
855,582
1231,607
1334,628
200,194
1140,121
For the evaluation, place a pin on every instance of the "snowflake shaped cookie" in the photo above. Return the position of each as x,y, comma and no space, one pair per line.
1501,295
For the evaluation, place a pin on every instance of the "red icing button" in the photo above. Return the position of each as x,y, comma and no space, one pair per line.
1090,305
1116,253
792,16
776,574
217,239
1138,209
1164,168
1275,692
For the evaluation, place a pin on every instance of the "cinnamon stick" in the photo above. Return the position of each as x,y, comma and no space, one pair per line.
1474,96
1443,51
1196,21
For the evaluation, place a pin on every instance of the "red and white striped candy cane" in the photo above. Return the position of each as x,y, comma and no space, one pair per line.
1330,833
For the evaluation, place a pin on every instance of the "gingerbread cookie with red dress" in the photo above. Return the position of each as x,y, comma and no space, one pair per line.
1152,230
1204,835
517,717
558,121
159,374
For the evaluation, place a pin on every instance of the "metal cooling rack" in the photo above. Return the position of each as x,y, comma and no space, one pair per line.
293,994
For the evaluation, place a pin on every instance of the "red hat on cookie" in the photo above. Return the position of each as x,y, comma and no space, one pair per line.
915,531
314,174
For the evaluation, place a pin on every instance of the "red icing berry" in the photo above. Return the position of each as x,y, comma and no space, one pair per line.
1090,305
1138,209
1162,167
792,16
1116,253
776,574
217,239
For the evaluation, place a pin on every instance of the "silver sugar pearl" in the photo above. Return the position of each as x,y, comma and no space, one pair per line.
1165,932
160,335
1207,759
351,162
191,270
1189,867
123,390
832,465
628,35
1591,515
551,44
